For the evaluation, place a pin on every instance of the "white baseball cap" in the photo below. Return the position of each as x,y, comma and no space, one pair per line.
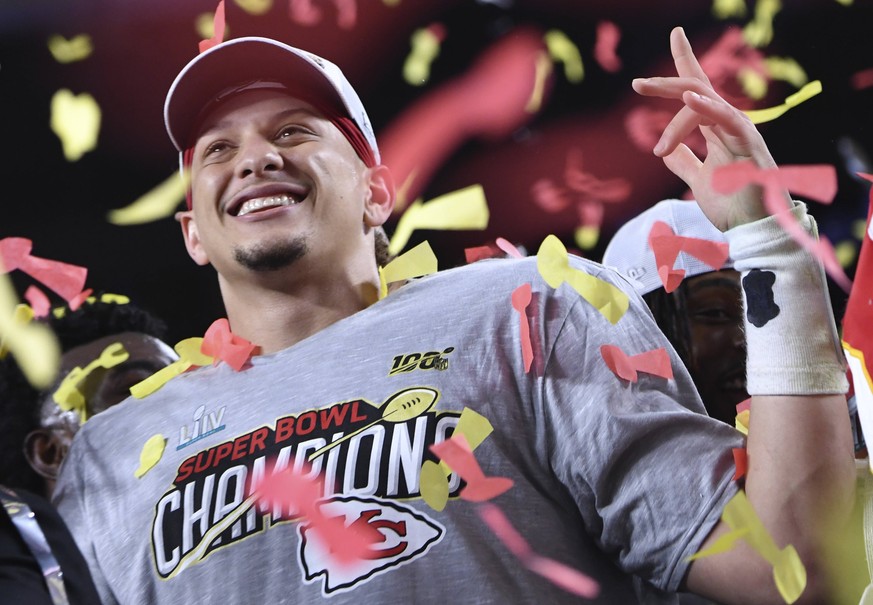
629,252
227,67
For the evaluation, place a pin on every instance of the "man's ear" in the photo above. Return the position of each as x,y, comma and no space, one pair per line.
45,451
192,237
380,202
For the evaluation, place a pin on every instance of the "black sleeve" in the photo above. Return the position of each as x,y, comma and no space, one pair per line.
21,579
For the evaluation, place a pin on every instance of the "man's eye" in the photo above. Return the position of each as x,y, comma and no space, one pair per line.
290,131
216,148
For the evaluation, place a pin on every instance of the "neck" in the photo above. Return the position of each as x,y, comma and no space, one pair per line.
276,318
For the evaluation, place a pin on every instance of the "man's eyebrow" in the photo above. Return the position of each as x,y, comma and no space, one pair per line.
281,115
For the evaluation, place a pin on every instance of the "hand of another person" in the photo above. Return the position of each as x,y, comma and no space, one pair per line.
730,136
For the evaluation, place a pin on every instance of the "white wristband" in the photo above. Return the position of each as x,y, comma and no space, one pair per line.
791,338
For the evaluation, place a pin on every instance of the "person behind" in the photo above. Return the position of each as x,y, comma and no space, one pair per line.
622,480
36,432
703,317
41,563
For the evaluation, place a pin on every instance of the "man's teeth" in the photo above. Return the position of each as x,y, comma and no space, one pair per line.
265,202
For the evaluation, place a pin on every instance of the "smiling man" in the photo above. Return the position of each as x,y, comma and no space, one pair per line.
622,480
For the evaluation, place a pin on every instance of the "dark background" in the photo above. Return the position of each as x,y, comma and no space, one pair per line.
139,46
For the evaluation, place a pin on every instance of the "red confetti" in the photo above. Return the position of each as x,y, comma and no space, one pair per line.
296,491
218,27
666,246
80,298
456,453
569,579
521,297
507,247
38,301
862,79
608,36
655,362
482,252
817,182
222,344
67,280
741,461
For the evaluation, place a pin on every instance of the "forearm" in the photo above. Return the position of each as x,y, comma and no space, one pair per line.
800,452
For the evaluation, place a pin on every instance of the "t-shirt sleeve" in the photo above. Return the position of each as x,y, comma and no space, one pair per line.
70,499
650,472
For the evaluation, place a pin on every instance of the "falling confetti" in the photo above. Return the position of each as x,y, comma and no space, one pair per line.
75,119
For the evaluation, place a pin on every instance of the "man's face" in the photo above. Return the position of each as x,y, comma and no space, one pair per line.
718,351
275,184
102,389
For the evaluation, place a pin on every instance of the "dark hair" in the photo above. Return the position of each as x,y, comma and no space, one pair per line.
670,311
383,257
20,402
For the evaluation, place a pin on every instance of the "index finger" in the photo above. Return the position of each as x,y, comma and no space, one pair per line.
687,65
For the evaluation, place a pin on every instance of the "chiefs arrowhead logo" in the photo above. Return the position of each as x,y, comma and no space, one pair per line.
404,535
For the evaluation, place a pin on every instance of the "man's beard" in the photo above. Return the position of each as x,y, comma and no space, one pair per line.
272,256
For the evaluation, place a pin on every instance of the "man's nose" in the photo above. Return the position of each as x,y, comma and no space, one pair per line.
257,157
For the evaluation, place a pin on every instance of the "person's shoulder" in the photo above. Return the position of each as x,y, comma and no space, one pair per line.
520,270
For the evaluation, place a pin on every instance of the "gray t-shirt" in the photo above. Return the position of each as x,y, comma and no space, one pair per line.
616,479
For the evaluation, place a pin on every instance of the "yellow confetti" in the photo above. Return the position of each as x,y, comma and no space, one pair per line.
562,49
68,396
759,116
425,48
151,454
586,236
21,315
189,355
433,485
741,422
462,209
76,122
391,2
554,267
158,203
846,252
759,32
118,299
33,344
474,427
859,229
726,9
846,2
417,262
753,83
205,26
789,573
786,69
253,7
67,51
722,544
434,478
543,71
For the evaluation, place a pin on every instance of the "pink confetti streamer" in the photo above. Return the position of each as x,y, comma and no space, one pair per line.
296,491
521,298
666,246
507,247
567,578
38,301
862,79
303,12
222,344
655,362
644,126
80,298
606,45
64,279
218,27
817,182
456,453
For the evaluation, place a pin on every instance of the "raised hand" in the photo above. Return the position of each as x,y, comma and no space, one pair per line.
729,133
